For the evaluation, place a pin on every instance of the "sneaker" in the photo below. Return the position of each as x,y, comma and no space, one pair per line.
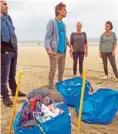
105,78
8,102
20,94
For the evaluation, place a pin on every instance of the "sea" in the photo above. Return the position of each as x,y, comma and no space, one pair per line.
91,41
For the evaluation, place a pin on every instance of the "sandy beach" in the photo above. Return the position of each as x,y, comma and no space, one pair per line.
34,62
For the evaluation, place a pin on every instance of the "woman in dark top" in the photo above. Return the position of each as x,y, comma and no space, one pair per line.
107,49
79,42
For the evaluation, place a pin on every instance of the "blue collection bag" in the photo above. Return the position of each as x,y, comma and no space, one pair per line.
98,108
58,125
71,90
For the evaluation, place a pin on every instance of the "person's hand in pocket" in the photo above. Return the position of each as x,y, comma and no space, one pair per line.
6,53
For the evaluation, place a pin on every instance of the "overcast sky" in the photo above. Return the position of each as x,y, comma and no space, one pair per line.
30,17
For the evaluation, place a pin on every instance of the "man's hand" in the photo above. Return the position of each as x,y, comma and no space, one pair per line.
113,53
100,54
71,51
86,54
6,52
50,52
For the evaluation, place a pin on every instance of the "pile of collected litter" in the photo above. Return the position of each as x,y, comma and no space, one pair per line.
43,112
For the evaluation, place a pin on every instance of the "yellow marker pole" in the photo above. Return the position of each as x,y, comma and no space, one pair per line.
15,101
81,102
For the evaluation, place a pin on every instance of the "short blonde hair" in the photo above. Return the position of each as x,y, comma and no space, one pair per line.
78,22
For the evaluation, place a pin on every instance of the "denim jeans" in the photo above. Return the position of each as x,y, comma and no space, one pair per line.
8,73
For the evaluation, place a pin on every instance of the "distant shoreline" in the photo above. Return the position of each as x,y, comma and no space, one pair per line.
36,44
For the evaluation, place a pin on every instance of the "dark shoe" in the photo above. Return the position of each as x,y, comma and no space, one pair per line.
8,102
20,94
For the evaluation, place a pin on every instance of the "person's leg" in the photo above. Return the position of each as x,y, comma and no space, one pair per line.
5,69
75,58
113,64
53,66
61,66
81,59
104,58
12,80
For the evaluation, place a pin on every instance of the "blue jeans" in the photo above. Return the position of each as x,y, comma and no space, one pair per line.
8,73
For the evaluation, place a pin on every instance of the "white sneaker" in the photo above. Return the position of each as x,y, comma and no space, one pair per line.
105,78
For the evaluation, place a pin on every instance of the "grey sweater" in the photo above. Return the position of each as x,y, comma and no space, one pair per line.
107,42
51,40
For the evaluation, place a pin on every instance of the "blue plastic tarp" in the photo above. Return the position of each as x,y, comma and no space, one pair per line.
98,108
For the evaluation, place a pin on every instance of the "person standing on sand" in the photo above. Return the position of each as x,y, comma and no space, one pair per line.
78,40
107,49
8,55
56,43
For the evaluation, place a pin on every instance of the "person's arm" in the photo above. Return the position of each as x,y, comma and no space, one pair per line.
48,35
69,45
67,42
5,38
114,44
100,46
4,32
86,45
71,39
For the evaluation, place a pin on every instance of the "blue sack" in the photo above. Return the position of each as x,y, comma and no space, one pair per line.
71,90
98,108
58,125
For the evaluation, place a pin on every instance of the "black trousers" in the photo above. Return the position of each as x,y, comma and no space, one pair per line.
77,55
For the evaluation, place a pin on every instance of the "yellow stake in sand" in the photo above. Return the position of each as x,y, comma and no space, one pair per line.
15,101
81,102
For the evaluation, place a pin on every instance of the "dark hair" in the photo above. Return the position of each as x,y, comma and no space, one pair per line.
59,7
110,23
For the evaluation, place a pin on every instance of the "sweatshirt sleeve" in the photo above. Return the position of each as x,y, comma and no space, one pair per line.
85,39
49,31
4,32
114,39
71,39
100,42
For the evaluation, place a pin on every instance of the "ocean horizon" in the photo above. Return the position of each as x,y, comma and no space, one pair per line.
91,41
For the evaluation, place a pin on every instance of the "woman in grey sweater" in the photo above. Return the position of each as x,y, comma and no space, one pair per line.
78,40
107,49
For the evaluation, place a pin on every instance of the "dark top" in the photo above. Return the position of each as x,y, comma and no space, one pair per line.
78,40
